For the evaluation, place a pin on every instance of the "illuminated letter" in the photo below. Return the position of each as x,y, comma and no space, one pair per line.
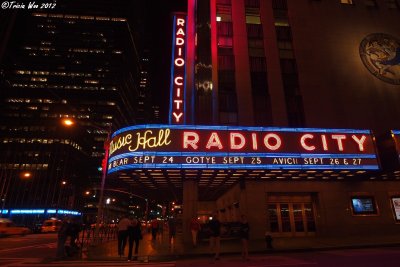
254,137
277,139
178,102
180,41
180,82
180,22
214,141
324,143
180,32
179,62
360,142
190,139
234,136
303,142
177,116
178,92
339,138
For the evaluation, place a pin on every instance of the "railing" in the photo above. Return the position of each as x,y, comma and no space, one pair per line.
87,238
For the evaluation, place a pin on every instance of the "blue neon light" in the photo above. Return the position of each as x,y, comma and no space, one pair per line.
226,154
237,128
27,211
243,166
39,211
396,131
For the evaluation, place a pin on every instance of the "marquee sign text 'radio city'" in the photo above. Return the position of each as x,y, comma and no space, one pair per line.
173,146
178,64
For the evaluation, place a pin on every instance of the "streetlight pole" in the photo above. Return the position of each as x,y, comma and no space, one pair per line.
100,206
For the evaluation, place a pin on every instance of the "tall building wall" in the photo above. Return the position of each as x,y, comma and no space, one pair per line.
74,65
298,63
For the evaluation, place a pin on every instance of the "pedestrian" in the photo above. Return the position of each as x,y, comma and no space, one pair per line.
244,236
172,229
123,225
73,232
268,240
194,228
62,238
154,228
135,235
215,237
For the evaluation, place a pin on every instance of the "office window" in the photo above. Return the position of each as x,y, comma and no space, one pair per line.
226,62
225,41
258,64
225,28
223,2
283,33
253,19
392,4
254,31
347,2
252,3
370,3
279,4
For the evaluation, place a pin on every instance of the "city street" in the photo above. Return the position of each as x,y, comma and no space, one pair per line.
35,246
39,249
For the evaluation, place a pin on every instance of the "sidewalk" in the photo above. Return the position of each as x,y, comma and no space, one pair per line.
161,250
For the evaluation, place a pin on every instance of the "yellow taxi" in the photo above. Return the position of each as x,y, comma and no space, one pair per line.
7,227
52,225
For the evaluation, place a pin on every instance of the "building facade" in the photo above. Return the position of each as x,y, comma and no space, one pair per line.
328,64
74,64
299,66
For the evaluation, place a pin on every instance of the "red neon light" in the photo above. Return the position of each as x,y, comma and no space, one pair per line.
278,141
303,142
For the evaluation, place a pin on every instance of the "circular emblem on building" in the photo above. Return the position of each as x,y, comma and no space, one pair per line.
380,53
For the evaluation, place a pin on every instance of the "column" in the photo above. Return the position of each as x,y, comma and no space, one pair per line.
190,200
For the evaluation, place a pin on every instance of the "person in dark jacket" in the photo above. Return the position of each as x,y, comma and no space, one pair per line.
62,238
134,236
215,237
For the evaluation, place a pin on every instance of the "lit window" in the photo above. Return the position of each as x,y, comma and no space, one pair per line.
348,2
253,19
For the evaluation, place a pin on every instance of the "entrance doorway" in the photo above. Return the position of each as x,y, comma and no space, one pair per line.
291,215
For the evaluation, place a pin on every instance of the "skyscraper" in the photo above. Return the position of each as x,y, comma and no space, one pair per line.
77,64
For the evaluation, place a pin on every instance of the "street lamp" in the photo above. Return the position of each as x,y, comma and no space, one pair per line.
100,207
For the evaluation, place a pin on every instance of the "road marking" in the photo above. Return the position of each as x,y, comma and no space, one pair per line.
48,245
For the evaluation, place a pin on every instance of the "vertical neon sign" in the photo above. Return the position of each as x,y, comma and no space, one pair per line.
178,73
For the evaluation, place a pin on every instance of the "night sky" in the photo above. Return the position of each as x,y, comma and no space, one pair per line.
158,32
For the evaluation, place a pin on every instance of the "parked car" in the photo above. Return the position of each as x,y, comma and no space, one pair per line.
52,225
7,227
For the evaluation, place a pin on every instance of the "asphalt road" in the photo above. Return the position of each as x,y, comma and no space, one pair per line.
31,250
29,246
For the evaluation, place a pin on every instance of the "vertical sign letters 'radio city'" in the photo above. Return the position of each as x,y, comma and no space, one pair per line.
178,65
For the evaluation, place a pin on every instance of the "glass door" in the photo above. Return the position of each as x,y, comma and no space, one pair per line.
291,219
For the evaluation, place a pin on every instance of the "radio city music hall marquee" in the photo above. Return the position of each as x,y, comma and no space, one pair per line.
178,65
222,147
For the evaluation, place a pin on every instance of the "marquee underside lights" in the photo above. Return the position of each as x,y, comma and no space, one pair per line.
178,74
222,147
